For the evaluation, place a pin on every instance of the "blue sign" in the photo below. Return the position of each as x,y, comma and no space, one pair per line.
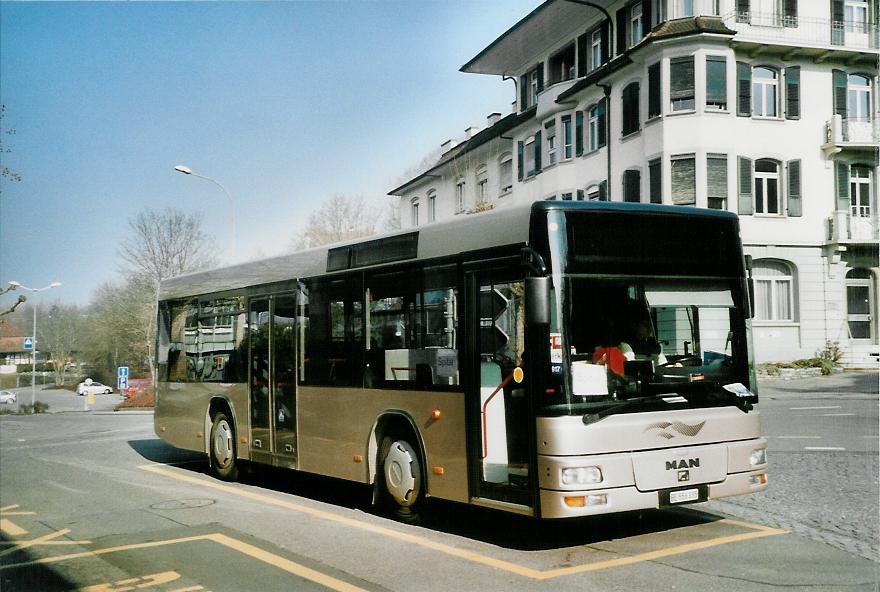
123,383
123,372
28,343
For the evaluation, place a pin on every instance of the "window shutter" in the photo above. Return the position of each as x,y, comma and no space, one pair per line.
743,89
582,45
630,108
646,15
603,191
655,181
746,204
654,90
603,123
841,174
632,180
540,68
606,41
621,30
578,133
716,176
520,160
793,92
523,92
839,79
683,176
716,79
789,13
538,151
794,187
837,24
580,195
681,78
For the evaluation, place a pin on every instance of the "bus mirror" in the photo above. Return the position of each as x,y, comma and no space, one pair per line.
538,300
751,286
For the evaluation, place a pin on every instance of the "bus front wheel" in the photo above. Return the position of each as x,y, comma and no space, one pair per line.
222,446
402,485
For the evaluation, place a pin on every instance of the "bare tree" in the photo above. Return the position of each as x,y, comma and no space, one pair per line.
164,244
6,172
60,329
341,218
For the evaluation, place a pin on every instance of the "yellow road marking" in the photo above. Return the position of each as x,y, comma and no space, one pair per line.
11,528
190,589
45,540
4,511
757,531
229,542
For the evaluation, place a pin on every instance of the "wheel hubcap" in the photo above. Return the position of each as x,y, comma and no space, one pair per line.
401,473
223,443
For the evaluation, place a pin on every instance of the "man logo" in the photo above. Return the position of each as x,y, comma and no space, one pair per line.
684,476
690,463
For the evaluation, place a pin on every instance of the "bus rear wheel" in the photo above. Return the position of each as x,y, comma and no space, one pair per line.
401,482
222,448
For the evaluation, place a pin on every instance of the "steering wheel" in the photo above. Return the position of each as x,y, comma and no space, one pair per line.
685,361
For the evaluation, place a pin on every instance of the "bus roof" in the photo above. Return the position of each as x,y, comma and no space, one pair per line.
463,233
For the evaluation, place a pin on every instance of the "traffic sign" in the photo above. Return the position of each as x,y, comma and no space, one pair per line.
123,383
123,371
28,343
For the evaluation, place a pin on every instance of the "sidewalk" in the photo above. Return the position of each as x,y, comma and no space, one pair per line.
852,385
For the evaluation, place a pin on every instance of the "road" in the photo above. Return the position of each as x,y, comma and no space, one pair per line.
95,502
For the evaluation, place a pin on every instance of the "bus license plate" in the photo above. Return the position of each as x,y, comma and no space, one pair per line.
685,495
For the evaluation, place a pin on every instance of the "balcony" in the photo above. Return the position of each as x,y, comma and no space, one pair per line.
844,228
850,134
810,37
547,104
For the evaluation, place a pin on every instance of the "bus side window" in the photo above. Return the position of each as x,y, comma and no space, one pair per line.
334,340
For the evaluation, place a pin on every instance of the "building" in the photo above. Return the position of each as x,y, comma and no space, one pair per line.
767,108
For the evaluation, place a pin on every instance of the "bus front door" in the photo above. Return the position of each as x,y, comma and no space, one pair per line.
499,401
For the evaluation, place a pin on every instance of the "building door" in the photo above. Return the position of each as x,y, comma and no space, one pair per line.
860,305
498,399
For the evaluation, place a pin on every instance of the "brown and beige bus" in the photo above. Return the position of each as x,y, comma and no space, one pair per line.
556,360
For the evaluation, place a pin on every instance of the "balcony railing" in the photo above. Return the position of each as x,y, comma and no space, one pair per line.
844,228
788,30
856,133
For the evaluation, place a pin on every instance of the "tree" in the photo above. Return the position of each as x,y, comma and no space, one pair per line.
59,332
341,218
165,244
6,172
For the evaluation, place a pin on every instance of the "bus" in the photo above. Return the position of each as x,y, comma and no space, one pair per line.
557,360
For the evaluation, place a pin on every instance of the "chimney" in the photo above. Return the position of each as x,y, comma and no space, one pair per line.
492,119
447,146
469,132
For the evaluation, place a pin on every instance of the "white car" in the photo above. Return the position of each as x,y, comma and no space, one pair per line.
7,397
93,388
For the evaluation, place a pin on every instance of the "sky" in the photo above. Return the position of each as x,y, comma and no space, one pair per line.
283,103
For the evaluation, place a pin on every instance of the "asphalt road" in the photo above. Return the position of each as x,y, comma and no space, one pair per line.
94,501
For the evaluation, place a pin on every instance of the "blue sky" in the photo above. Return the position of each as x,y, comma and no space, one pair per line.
284,103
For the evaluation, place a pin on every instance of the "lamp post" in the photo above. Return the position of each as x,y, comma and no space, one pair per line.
14,286
188,171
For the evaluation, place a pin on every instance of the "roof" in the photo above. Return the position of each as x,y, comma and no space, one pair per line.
486,135
12,344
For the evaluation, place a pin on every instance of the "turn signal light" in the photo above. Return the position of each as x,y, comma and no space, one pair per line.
577,501
436,414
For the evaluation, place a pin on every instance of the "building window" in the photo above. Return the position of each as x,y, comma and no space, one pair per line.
630,108
684,8
562,65
712,7
858,91
550,129
530,156
636,29
774,290
716,181
658,12
684,180
716,82
567,137
459,196
860,191
764,92
482,185
767,197
432,206
534,88
415,212
632,186
681,83
859,303
597,192
597,125
655,181
856,16
505,173
654,99
596,49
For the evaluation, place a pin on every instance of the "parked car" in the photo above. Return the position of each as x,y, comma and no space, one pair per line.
7,397
94,388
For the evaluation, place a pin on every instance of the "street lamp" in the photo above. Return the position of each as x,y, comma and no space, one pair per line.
14,286
188,171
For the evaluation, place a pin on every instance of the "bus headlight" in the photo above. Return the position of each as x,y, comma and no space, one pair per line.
581,476
758,457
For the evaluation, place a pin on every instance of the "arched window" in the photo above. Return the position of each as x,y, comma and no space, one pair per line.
432,205
859,303
482,184
414,204
774,290
459,195
858,94
765,95
505,173
768,197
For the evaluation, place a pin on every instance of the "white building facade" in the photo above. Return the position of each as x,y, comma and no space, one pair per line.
766,108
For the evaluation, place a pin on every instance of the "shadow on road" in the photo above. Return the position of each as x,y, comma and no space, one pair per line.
482,524
29,576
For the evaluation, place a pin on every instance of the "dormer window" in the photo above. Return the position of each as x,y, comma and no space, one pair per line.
562,65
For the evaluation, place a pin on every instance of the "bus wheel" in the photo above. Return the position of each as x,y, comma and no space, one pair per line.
401,479
223,461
